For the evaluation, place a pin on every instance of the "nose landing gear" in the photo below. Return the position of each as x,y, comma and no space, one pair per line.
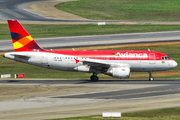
150,76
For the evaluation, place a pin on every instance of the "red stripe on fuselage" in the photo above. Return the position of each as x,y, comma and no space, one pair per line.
112,54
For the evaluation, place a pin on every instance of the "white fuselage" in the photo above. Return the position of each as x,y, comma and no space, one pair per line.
66,62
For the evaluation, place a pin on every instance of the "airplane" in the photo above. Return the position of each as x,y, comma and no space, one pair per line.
115,63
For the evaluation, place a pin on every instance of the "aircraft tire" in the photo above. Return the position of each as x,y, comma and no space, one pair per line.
94,78
151,79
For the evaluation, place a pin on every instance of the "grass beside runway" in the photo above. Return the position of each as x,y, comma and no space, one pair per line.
59,30
164,114
172,50
125,10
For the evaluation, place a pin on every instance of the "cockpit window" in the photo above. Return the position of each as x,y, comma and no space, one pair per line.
165,58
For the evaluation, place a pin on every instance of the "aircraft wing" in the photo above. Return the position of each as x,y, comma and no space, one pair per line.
102,65
95,63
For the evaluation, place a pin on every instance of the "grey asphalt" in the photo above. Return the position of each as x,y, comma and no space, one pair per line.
168,87
132,93
112,39
87,81
14,9
10,9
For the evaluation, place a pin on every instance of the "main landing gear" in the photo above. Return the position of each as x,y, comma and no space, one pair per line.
94,77
150,76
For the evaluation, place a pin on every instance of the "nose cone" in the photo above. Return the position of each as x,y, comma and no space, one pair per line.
174,64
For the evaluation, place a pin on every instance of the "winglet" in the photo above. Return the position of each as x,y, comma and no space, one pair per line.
21,39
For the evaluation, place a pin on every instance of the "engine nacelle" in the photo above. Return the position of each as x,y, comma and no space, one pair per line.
119,72
82,68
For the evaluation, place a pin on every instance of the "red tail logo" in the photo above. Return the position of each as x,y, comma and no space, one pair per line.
21,39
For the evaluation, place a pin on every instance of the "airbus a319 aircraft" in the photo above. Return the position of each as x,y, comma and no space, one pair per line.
116,63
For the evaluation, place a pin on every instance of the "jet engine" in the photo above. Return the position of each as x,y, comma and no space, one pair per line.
119,72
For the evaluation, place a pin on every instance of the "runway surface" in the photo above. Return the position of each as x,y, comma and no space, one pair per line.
169,87
112,39
103,82
72,98
127,94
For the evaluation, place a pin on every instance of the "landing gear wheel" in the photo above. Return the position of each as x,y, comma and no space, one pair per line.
94,78
150,76
151,79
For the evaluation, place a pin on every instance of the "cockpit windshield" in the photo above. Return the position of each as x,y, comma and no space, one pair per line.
165,58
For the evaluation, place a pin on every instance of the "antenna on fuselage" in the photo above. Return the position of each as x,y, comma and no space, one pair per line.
149,49
73,49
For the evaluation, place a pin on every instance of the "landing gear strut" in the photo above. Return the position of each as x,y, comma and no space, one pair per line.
150,76
94,77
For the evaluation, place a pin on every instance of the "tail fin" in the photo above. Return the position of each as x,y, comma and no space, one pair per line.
21,39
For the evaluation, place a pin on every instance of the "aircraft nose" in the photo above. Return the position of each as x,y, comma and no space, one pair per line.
175,64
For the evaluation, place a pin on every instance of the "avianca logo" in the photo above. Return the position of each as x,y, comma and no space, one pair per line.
127,54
